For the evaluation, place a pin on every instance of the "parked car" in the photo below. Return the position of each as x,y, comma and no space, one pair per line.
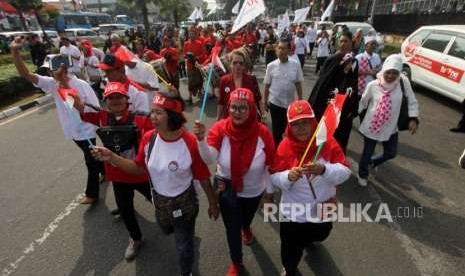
119,29
52,35
78,34
434,57
367,30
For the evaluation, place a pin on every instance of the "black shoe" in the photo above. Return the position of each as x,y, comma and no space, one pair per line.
457,129
115,212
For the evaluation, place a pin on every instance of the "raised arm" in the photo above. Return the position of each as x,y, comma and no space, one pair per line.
23,71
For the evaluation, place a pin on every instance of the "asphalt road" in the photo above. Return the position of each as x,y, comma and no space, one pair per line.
45,232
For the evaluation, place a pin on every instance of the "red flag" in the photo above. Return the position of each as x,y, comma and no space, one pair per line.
330,119
215,57
64,92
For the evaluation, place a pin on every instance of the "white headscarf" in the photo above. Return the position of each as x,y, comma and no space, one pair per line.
392,62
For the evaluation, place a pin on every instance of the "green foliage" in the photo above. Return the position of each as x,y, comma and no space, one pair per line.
11,84
8,59
23,5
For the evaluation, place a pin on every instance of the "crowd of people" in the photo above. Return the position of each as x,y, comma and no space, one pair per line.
129,96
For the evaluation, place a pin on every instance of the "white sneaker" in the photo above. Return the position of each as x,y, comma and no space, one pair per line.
362,181
132,249
462,160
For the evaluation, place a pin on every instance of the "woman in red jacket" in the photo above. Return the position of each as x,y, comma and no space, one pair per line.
237,78
124,184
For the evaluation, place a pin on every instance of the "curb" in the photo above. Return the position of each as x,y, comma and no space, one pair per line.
18,109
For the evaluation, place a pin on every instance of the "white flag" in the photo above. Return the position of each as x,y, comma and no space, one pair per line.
211,12
199,14
193,15
235,9
283,22
301,14
250,9
328,12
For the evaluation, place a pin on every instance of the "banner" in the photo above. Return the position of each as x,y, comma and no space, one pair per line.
250,9
301,14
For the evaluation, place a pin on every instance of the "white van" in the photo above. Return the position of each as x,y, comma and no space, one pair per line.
434,57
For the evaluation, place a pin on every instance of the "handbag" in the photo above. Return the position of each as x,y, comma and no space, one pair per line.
119,138
404,119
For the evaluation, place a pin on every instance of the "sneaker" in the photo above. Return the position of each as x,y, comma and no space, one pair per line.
247,237
462,160
283,272
132,249
234,269
115,212
362,181
87,200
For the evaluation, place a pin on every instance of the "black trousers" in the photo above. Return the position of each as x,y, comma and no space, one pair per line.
261,50
311,45
301,60
278,122
124,197
319,63
94,168
295,237
237,214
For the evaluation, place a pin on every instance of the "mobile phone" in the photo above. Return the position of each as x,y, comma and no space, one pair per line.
56,61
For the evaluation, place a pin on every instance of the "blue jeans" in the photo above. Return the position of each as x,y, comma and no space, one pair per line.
184,236
369,145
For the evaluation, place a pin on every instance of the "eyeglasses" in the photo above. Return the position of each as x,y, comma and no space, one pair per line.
238,63
238,108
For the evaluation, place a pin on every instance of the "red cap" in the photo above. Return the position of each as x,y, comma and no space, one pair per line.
115,87
299,110
110,62
170,104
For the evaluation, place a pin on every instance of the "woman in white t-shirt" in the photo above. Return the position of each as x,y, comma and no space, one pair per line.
170,155
243,149
323,50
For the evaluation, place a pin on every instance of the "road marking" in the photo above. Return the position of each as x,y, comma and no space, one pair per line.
45,234
7,121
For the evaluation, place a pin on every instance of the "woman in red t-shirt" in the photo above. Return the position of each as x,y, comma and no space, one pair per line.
124,184
171,156
237,78
243,149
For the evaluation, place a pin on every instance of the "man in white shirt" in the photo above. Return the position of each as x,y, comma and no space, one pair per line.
74,129
311,37
261,40
74,53
283,78
369,64
139,71
113,67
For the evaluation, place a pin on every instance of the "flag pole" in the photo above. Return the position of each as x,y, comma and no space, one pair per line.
311,142
206,91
